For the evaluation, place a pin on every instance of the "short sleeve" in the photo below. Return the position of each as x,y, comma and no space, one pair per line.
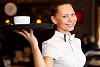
49,50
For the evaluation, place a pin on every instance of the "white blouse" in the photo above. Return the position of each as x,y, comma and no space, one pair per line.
67,53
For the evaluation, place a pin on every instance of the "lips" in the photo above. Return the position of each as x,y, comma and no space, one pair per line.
70,24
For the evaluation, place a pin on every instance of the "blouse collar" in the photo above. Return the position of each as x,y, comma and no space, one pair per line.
65,36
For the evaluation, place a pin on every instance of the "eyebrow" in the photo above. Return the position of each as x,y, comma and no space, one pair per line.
71,13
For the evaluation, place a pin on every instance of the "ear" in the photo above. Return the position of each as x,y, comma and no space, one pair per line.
53,19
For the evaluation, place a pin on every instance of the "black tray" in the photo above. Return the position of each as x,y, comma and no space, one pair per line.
26,26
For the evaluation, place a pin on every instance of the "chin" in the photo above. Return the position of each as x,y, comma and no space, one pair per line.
71,29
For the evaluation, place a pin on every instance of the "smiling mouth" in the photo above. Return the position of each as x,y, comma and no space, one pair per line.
70,25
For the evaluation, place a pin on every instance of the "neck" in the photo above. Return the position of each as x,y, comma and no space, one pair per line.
64,32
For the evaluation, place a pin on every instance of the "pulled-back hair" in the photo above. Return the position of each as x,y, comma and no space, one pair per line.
55,5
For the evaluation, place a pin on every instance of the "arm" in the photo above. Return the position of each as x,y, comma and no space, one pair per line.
38,59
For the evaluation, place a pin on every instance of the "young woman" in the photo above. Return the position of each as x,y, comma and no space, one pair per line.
63,49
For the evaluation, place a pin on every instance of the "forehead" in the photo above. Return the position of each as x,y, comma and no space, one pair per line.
66,8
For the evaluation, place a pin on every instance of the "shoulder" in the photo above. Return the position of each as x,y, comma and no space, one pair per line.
77,41
50,41
50,49
47,43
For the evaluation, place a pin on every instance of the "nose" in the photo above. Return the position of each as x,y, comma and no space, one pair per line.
70,19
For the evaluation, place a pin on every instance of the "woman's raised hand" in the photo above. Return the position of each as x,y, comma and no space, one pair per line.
29,36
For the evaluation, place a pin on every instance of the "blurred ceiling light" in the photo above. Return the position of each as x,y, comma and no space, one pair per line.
7,21
38,21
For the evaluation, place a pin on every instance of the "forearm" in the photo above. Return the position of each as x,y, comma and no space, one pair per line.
38,58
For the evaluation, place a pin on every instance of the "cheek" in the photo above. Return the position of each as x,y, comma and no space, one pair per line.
59,21
75,18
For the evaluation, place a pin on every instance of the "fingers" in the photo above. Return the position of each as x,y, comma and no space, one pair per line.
28,35
24,33
21,33
31,31
15,31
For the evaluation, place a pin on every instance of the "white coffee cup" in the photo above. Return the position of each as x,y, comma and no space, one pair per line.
21,20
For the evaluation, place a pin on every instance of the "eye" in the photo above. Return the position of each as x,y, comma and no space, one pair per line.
73,14
65,16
